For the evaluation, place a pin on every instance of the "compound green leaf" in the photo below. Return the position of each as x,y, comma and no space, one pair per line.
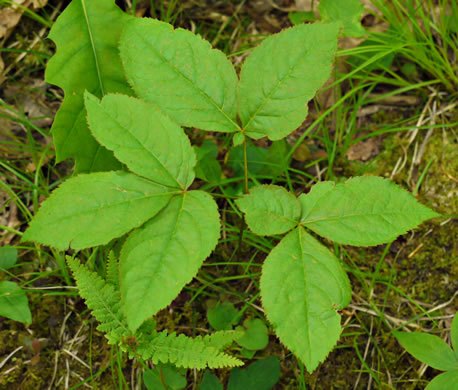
362,211
182,351
302,286
159,259
13,303
86,35
447,380
103,299
222,338
281,76
270,210
180,72
348,15
112,270
429,349
143,138
92,209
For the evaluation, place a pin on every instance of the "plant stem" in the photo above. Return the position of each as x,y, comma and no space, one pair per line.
245,170
245,165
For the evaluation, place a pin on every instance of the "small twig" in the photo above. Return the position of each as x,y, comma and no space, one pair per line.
76,358
10,356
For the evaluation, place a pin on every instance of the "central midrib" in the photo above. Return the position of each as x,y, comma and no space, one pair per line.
306,306
111,205
352,216
166,244
94,51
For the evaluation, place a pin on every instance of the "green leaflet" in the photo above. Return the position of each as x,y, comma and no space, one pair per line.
92,209
276,82
103,300
221,339
270,210
348,15
143,138
14,303
362,211
302,285
179,71
86,35
447,380
166,253
429,349
454,335
183,351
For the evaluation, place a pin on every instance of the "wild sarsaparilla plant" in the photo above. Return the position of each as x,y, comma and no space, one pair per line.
127,92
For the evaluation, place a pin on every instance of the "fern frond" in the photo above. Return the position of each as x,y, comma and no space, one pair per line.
221,339
102,299
183,351
112,270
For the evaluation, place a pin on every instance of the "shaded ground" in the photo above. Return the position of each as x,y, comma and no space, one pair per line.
413,284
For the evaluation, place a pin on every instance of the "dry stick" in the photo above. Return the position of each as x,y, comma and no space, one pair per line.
364,355
10,355
54,373
34,42
226,22
413,133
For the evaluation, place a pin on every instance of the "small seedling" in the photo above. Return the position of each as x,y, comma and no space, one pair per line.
127,92
435,352
13,299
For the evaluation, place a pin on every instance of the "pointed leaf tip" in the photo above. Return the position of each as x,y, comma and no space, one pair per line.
144,138
363,211
86,58
281,75
302,284
160,258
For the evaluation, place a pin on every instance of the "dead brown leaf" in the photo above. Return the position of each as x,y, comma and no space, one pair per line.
364,150
36,4
31,100
304,5
10,17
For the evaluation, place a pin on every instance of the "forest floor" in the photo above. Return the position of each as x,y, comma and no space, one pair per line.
402,125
